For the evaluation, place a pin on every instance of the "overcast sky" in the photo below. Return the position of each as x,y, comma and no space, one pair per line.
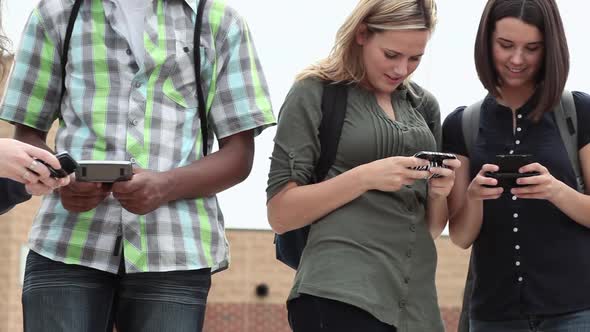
290,34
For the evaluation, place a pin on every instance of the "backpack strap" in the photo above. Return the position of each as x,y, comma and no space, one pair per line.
470,124
334,99
567,122
66,46
197,67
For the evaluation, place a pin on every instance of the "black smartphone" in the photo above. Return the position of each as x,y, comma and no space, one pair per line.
68,165
435,159
509,165
104,171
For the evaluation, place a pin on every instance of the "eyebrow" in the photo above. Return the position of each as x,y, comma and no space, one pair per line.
397,52
510,41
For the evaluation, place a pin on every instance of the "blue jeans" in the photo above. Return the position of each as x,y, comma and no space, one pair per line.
572,322
60,297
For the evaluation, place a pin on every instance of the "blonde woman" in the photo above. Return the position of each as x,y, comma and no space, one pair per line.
370,259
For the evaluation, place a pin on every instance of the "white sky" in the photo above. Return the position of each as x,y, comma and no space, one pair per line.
290,34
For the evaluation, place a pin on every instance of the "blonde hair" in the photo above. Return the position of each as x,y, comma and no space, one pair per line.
344,61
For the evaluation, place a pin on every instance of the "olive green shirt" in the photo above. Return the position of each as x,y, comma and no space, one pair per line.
376,252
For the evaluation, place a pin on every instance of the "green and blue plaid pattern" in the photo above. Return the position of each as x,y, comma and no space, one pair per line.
115,110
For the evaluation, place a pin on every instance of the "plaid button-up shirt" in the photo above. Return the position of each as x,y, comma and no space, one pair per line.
114,109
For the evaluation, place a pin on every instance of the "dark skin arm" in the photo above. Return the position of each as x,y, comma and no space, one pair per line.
77,196
148,190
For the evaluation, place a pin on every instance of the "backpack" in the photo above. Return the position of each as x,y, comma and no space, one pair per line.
289,245
567,121
197,66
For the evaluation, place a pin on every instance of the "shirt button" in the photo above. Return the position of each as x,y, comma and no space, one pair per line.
402,304
514,198
132,160
406,280
291,155
128,51
517,263
412,228
520,279
519,116
134,122
511,152
409,253
515,229
517,247
137,85
517,142
515,215
518,129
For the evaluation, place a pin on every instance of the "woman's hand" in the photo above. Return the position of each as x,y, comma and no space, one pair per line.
19,163
542,186
390,174
476,189
440,187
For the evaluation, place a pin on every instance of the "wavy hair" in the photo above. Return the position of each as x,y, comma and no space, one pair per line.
344,63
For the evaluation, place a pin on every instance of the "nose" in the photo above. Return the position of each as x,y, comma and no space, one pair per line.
401,68
517,58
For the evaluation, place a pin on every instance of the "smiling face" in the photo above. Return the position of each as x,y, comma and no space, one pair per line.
389,57
518,52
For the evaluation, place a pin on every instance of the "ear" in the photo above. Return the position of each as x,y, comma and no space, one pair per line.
362,34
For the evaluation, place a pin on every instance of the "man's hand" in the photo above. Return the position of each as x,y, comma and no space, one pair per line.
145,192
83,196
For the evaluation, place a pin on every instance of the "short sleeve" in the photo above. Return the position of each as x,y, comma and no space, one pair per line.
582,103
296,144
11,193
429,105
34,88
241,101
452,131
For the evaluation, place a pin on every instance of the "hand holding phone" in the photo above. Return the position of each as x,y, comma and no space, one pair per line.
435,159
68,165
508,172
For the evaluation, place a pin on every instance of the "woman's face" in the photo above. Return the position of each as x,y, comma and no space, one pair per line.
518,52
389,57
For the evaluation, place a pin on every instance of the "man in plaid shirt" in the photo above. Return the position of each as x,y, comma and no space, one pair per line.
137,254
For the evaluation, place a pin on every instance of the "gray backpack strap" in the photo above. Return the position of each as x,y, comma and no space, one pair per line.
567,122
470,124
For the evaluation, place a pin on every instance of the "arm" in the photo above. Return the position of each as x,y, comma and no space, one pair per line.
438,191
296,206
465,202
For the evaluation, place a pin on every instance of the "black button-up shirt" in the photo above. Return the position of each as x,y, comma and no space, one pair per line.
529,258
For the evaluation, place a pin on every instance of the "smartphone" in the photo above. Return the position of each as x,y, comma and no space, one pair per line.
104,171
509,165
435,159
68,165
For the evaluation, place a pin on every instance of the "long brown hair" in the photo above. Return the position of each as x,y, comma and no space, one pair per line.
344,61
544,15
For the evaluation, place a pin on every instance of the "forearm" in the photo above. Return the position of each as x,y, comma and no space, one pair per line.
437,215
221,170
573,203
31,136
465,223
298,206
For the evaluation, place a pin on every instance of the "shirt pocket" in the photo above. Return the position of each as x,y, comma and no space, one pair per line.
180,85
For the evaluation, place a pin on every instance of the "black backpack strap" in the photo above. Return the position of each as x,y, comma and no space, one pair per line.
334,101
66,46
470,124
566,119
197,66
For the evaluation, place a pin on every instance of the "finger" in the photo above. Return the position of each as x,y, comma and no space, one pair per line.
482,180
50,182
38,189
42,154
29,177
416,175
84,187
489,168
39,168
452,163
444,172
532,168
411,162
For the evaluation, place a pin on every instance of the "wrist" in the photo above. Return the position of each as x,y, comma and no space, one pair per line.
362,177
559,193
